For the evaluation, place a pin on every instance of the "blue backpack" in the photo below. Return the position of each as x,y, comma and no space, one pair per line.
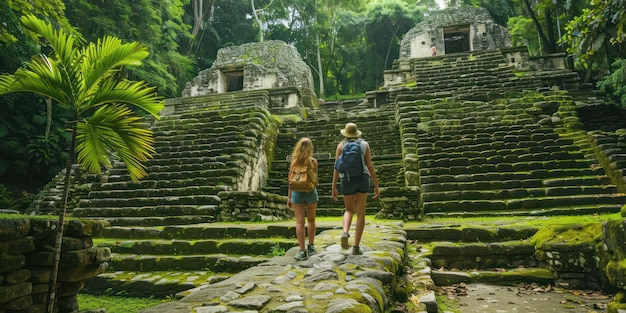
350,162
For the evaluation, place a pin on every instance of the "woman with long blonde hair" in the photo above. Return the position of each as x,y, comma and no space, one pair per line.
300,201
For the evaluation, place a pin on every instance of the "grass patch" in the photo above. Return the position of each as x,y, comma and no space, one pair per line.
537,221
117,304
445,304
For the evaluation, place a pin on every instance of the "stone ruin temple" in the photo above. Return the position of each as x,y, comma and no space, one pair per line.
480,129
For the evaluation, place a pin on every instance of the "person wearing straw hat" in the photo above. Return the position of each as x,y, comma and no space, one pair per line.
354,188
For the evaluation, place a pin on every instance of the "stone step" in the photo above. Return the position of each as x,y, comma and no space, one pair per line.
169,178
489,171
208,182
160,220
483,256
142,202
536,203
214,262
468,233
156,210
154,192
370,279
157,284
525,180
498,193
240,152
169,172
542,212
519,177
247,246
507,277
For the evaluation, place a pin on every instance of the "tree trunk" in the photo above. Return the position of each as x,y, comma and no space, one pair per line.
320,75
542,36
61,226
199,13
48,116
258,21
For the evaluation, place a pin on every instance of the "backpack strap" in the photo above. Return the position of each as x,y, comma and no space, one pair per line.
363,146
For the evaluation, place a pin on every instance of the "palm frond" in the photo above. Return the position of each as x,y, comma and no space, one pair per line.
41,77
105,58
63,44
118,129
134,93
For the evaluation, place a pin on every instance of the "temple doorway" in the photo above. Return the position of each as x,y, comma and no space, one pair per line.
456,38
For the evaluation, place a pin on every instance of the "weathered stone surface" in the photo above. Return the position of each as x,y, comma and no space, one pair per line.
17,246
360,282
40,275
16,277
84,257
8,293
19,304
251,302
74,274
40,258
14,228
11,262
444,278
83,228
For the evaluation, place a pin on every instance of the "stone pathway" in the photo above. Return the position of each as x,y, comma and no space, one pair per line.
331,281
481,298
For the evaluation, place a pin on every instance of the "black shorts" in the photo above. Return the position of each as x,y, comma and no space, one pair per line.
360,184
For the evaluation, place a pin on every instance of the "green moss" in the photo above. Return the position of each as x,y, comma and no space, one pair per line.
568,233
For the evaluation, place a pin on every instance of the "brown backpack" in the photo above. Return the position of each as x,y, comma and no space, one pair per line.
303,177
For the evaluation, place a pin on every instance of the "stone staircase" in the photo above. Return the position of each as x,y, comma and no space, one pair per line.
379,127
162,261
504,157
508,254
478,75
201,150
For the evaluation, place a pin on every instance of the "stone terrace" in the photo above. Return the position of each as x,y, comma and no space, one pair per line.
501,158
202,153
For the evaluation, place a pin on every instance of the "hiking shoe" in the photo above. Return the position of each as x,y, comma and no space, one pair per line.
302,255
310,249
344,241
356,250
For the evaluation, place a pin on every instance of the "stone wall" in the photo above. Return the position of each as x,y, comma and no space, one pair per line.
26,260
252,206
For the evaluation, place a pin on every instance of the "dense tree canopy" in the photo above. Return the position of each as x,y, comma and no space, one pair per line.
348,44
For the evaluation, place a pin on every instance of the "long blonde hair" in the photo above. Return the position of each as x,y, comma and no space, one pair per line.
302,152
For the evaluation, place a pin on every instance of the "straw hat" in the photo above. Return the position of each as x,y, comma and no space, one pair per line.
350,131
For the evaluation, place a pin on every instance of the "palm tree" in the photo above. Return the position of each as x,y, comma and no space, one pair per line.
101,106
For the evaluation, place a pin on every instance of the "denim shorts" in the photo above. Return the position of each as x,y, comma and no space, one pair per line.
360,184
299,197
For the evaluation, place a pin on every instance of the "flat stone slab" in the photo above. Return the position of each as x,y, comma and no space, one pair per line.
333,280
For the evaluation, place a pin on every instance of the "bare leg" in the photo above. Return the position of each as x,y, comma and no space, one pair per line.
361,199
298,210
311,227
349,202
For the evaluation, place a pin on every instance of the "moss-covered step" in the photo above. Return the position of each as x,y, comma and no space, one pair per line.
158,284
507,277
483,256
257,246
467,233
146,211
214,262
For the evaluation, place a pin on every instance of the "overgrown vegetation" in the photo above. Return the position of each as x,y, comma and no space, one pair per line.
615,82
117,303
